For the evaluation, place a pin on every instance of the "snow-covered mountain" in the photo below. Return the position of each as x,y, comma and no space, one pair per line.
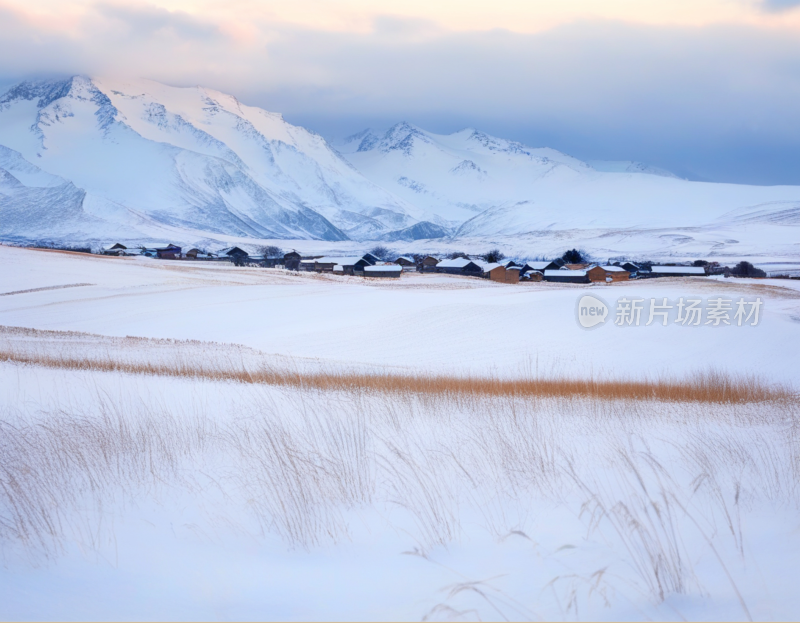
100,158
486,186
89,159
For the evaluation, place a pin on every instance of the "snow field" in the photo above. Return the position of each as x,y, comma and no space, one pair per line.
149,497
369,507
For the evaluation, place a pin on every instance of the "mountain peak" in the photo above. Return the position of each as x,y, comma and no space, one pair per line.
46,91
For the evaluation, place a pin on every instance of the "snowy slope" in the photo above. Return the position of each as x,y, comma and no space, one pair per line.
628,166
191,159
488,186
109,159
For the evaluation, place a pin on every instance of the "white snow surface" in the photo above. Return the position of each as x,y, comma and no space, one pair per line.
221,500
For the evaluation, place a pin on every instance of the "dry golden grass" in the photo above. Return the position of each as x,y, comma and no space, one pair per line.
708,387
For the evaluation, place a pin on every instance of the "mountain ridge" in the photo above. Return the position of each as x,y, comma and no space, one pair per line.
143,160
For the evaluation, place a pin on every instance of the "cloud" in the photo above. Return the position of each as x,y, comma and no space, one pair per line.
716,100
778,6
146,21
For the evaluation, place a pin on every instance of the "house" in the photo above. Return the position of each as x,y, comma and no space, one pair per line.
605,274
633,269
321,264
565,275
428,264
382,271
581,266
543,265
353,265
197,254
291,260
347,265
512,274
677,271
371,259
495,272
460,266
233,252
510,264
405,261
163,250
115,249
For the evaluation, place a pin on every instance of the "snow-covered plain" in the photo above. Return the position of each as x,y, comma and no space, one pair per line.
149,497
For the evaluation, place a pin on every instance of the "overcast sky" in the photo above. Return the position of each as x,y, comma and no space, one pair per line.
707,88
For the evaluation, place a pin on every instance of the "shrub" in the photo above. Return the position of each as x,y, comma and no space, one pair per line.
573,256
270,251
381,252
746,269
495,255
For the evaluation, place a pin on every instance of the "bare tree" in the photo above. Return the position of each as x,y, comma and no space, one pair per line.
269,251
381,252
495,255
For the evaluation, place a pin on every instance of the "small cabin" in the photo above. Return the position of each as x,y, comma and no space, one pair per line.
291,260
512,274
605,274
405,261
354,265
495,272
459,266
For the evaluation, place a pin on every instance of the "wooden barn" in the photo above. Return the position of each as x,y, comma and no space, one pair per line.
495,272
428,264
384,271
605,274
459,266
291,260
564,275
405,261
512,274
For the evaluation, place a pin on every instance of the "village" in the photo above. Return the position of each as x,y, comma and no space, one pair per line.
380,263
